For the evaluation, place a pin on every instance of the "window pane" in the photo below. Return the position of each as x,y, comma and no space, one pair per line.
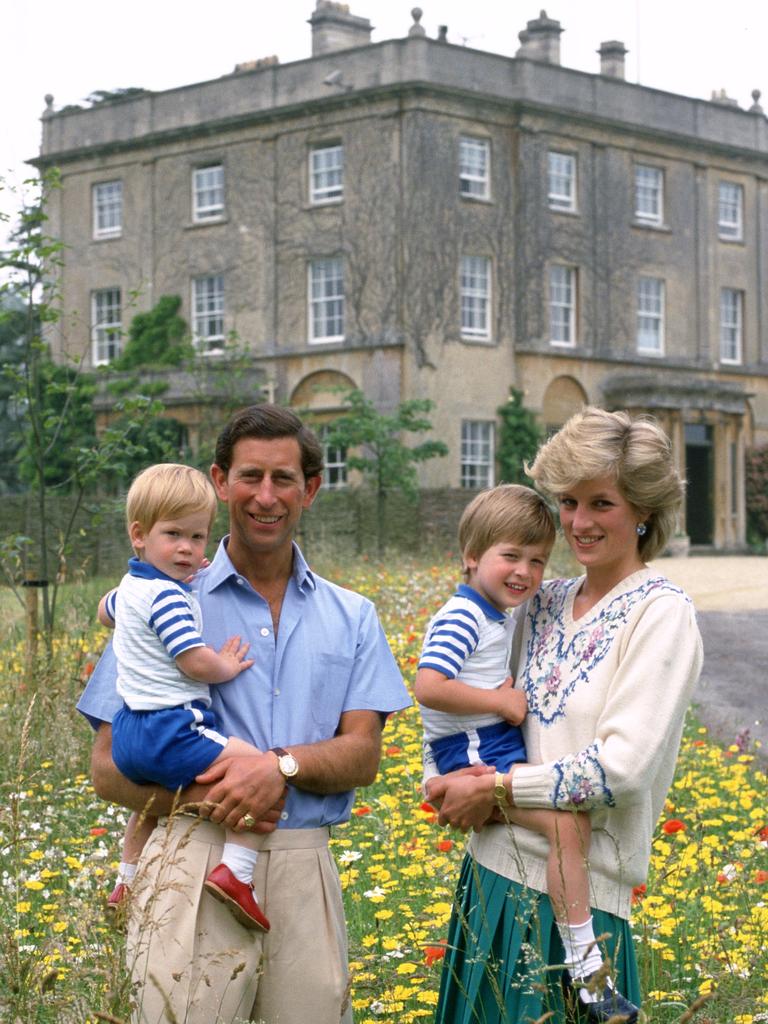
475,293
729,210
106,330
562,305
208,192
562,179
650,315
731,316
326,303
648,193
107,209
208,312
477,454
335,459
474,161
326,173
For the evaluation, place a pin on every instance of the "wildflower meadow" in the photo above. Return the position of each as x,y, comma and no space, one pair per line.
700,923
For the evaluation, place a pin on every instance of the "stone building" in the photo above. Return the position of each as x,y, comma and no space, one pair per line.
420,219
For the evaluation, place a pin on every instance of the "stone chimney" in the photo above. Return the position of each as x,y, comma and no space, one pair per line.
540,40
721,97
612,55
334,28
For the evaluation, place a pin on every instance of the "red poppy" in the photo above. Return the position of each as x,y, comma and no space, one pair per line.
673,825
762,834
428,808
365,809
722,878
97,831
391,751
444,845
638,893
432,954
761,877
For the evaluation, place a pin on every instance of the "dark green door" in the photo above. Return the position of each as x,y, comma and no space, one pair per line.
699,472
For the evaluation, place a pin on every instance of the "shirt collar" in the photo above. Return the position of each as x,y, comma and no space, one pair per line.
221,568
485,606
147,571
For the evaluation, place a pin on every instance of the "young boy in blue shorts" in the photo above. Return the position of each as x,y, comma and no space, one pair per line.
165,732
471,711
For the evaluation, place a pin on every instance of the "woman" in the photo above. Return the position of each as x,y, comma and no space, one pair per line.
608,662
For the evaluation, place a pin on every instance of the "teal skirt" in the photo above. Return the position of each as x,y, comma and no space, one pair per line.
503,963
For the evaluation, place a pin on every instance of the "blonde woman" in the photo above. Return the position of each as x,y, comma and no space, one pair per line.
608,662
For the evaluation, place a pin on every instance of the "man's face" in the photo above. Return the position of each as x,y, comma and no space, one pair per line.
266,492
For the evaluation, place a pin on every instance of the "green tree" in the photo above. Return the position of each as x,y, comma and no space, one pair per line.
12,321
158,337
519,438
757,494
58,448
374,445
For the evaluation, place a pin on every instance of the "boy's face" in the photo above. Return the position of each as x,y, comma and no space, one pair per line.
174,546
507,574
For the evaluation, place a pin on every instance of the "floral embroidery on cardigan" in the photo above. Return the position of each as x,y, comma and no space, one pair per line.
554,664
580,780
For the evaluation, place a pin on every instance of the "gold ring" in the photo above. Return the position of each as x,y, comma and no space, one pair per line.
248,820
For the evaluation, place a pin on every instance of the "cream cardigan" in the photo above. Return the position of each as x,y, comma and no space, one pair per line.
607,695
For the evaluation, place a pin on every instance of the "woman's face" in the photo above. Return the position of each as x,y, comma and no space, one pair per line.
601,527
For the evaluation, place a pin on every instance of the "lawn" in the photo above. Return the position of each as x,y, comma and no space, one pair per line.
701,924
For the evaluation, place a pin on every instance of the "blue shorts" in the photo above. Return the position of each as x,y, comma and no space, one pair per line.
500,744
169,746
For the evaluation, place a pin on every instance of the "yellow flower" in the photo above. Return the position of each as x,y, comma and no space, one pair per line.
23,907
34,885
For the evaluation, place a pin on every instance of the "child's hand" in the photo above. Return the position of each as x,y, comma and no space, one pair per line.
233,652
512,704
203,565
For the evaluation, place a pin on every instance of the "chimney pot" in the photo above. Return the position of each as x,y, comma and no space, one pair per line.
612,55
334,28
540,40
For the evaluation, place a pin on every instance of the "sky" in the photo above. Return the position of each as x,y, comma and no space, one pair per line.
70,48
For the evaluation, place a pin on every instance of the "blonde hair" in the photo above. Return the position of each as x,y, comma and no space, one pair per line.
509,512
169,491
635,453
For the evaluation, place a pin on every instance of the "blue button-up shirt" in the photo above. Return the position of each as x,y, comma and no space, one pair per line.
330,656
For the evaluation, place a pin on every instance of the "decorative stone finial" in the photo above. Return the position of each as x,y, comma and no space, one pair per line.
48,112
416,29
756,108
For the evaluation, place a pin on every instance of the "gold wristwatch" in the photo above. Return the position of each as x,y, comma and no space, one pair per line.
500,793
286,763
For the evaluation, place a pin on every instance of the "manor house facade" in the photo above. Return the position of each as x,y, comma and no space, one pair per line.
420,219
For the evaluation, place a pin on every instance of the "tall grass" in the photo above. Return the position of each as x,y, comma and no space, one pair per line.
701,923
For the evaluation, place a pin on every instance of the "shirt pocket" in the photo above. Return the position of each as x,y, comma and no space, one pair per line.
331,676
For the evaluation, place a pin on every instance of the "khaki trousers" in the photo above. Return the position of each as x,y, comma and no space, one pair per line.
192,963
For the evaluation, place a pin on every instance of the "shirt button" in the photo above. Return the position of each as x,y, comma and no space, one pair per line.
277,693
264,631
239,581
284,815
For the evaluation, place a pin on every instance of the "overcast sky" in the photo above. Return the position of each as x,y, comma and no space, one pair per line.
70,48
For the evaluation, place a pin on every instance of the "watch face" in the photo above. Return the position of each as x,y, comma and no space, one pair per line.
288,765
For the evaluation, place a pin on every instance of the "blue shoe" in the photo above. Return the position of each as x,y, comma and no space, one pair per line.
612,1007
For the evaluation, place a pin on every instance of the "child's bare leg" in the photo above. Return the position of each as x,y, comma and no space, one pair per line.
568,835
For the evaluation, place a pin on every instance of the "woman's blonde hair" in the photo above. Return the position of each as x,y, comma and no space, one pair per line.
169,491
509,512
635,453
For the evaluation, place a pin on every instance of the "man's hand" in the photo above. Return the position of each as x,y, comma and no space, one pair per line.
465,797
512,704
244,785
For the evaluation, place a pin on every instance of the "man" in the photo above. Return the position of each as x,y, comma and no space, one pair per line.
314,701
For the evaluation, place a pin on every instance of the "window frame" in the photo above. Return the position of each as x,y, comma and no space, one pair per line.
571,318
477,470
478,183
656,217
322,195
730,230
208,344
736,326
475,301
106,334
314,303
212,211
562,202
646,314
335,470
101,206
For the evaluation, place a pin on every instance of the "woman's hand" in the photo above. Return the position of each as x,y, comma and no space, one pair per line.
465,797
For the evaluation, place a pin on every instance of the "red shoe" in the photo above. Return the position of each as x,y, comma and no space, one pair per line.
238,896
118,898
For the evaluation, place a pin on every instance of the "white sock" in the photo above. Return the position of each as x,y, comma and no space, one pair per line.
126,873
582,954
241,861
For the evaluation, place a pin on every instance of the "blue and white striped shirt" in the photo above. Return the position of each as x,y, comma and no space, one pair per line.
156,619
